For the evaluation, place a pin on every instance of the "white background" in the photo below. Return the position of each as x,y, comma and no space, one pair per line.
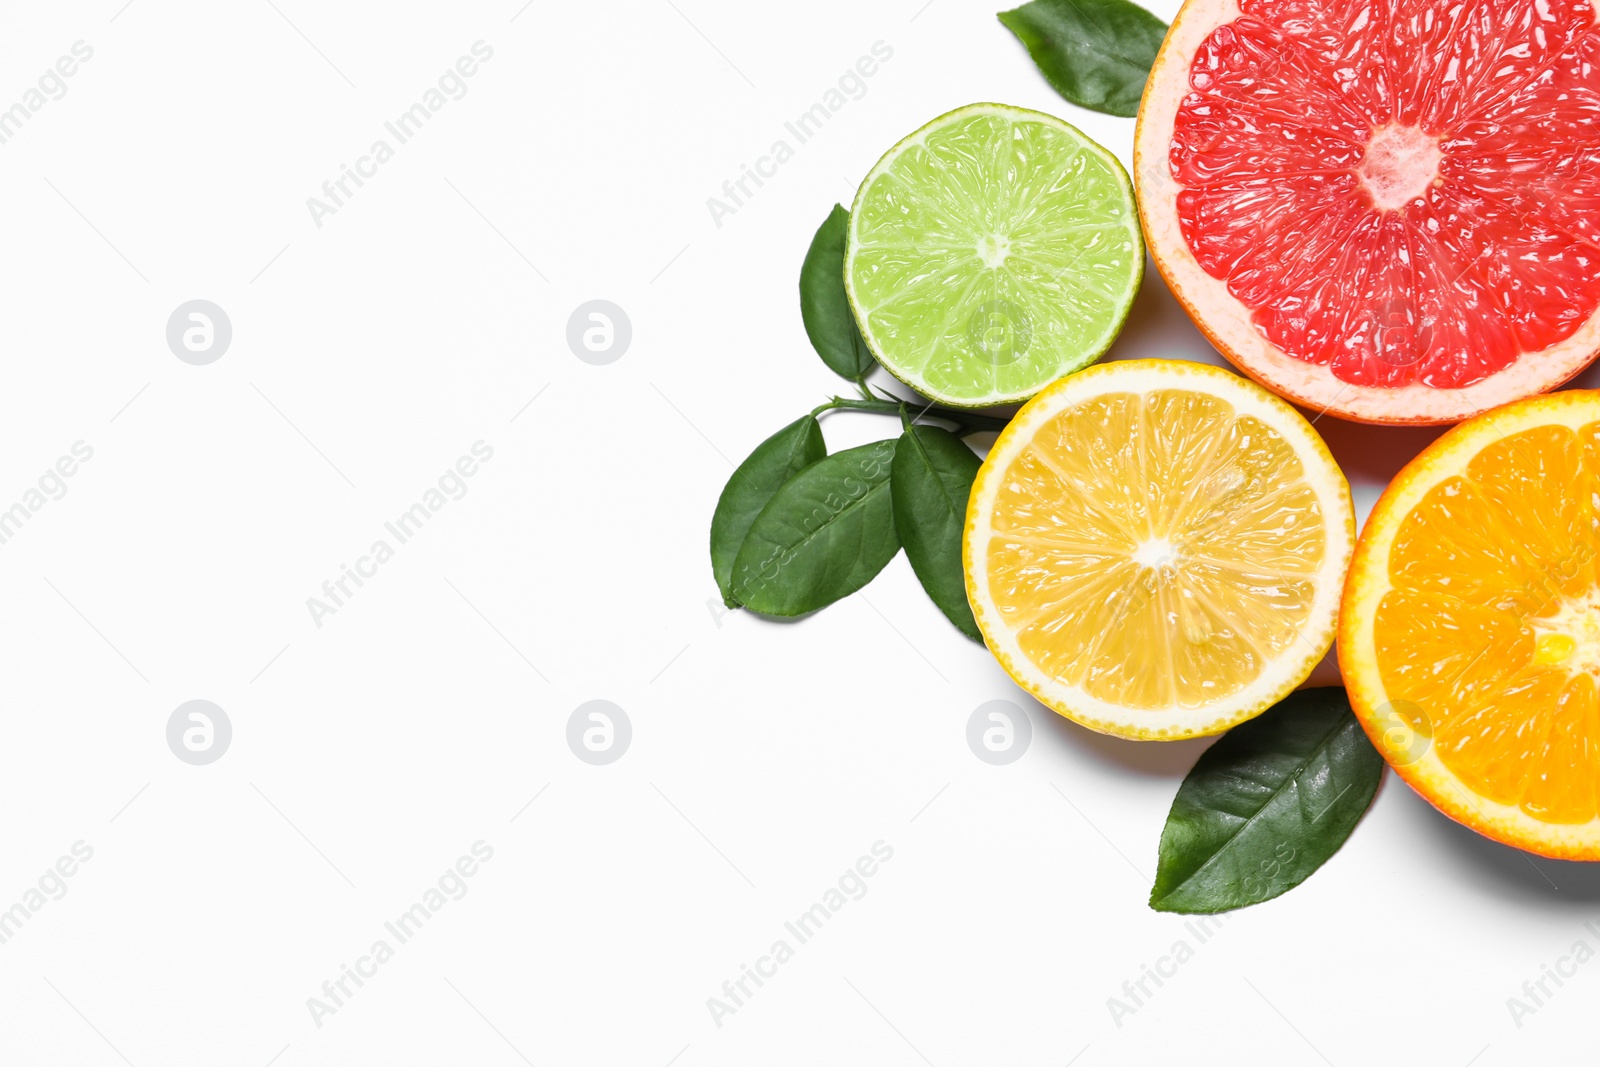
368,754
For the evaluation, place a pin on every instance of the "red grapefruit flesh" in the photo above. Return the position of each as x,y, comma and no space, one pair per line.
1388,210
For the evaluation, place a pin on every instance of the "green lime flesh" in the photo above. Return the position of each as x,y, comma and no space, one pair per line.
992,252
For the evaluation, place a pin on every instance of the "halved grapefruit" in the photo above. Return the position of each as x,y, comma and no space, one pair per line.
1388,210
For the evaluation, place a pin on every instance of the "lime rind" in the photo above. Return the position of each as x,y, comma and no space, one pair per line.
991,252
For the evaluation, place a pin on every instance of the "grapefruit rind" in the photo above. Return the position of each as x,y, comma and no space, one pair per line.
1283,675
1367,583
1069,362
1225,320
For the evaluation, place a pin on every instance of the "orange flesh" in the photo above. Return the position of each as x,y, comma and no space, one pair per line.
1490,635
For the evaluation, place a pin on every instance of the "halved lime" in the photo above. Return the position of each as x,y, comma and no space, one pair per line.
992,252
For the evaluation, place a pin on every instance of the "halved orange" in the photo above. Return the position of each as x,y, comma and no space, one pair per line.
1470,627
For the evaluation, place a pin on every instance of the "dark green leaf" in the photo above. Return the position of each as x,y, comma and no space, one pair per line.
1267,805
774,461
1096,53
825,309
932,478
825,534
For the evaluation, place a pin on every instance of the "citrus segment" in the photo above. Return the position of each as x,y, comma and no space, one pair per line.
1155,548
991,252
1471,619
1389,210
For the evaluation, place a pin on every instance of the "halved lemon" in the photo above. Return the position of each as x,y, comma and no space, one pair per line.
1470,631
1155,548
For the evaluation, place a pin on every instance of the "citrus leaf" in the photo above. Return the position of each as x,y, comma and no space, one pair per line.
774,461
825,534
1096,53
1267,805
931,479
824,308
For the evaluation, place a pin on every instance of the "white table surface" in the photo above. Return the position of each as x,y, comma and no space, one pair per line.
370,752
